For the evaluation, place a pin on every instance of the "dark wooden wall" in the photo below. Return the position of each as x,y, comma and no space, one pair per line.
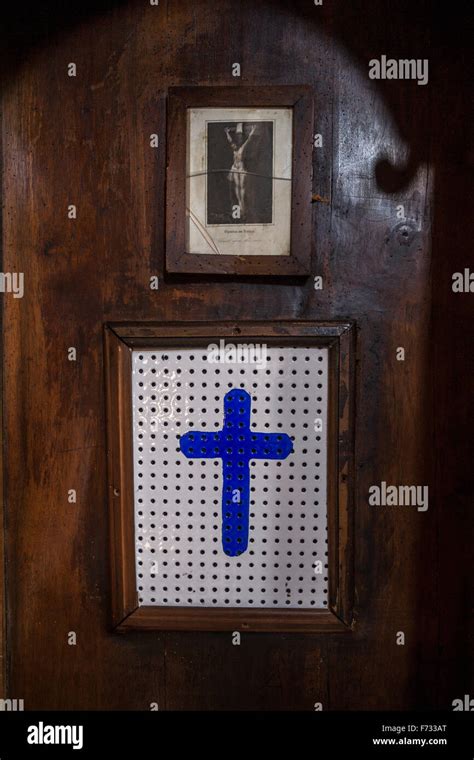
85,141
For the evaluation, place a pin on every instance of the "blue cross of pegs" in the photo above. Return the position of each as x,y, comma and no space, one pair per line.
236,444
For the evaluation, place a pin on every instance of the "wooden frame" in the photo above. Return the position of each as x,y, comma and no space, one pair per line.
300,100
120,340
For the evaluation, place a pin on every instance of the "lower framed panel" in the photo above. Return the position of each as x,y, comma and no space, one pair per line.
231,475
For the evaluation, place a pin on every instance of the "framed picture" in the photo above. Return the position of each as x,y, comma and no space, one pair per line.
239,180
231,471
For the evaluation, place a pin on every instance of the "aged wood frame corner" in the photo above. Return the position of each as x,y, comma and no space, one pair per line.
120,340
300,99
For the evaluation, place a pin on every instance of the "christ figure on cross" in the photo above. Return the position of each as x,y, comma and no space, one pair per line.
237,175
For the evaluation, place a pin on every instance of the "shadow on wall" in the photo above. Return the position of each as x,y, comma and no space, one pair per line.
419,31
430,120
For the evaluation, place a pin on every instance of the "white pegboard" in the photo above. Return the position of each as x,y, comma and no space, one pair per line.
180,557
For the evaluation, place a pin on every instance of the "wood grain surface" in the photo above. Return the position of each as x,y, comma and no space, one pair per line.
85,140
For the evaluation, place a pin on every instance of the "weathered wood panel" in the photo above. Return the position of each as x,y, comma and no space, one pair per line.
85,141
